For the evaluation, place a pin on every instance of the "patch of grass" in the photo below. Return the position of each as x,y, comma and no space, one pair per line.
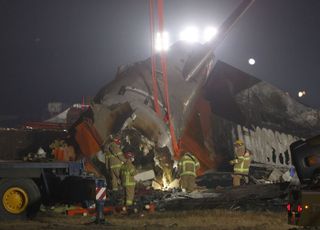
212,219
217,219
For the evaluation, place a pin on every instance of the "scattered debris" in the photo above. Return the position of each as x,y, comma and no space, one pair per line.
250,197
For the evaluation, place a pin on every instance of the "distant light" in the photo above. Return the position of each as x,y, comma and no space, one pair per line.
162,42
190,34
301,93
209,33
252,61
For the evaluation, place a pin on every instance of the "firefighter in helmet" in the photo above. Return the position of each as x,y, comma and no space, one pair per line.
187,166
241,163
127,173
114,160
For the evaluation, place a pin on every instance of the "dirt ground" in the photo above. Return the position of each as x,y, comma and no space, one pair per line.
198,219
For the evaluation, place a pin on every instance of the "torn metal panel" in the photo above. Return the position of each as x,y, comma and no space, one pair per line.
108,120
264,117
134,85
188,68
267,145
248,101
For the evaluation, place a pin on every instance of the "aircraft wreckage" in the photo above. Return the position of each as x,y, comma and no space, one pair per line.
151,118
211,105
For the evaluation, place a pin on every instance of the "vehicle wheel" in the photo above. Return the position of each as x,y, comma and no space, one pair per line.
20,198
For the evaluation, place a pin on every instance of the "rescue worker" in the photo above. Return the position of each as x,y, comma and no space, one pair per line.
127,173
114,161
187,166
241,163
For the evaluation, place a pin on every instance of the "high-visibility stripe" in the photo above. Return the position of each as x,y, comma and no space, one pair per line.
114,155
184,166
241,170
116,166
128,177
240,162
235,161
188,161
240,167
100,193
129,184
127,180
243,158
188,173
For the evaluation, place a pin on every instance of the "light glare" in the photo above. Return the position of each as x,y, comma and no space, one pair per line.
162,42
252,61
190,34
209,33
301,93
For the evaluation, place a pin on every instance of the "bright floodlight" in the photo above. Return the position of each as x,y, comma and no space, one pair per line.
190,34
301,93
162,41
209,33
252,61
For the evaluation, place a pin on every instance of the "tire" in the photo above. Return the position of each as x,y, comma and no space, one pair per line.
29,199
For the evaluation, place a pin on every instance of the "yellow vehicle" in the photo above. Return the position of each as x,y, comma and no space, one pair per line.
24,186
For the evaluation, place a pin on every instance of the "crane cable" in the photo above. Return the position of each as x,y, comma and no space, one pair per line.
165,81
153,62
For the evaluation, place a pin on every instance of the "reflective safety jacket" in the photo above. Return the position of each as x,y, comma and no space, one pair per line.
114,156
241,165
188,165
127,173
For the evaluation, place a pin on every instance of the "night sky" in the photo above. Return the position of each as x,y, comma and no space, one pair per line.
63,50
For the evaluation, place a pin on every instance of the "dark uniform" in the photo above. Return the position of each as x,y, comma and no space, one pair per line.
188,165
127,173
114,161
241,163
